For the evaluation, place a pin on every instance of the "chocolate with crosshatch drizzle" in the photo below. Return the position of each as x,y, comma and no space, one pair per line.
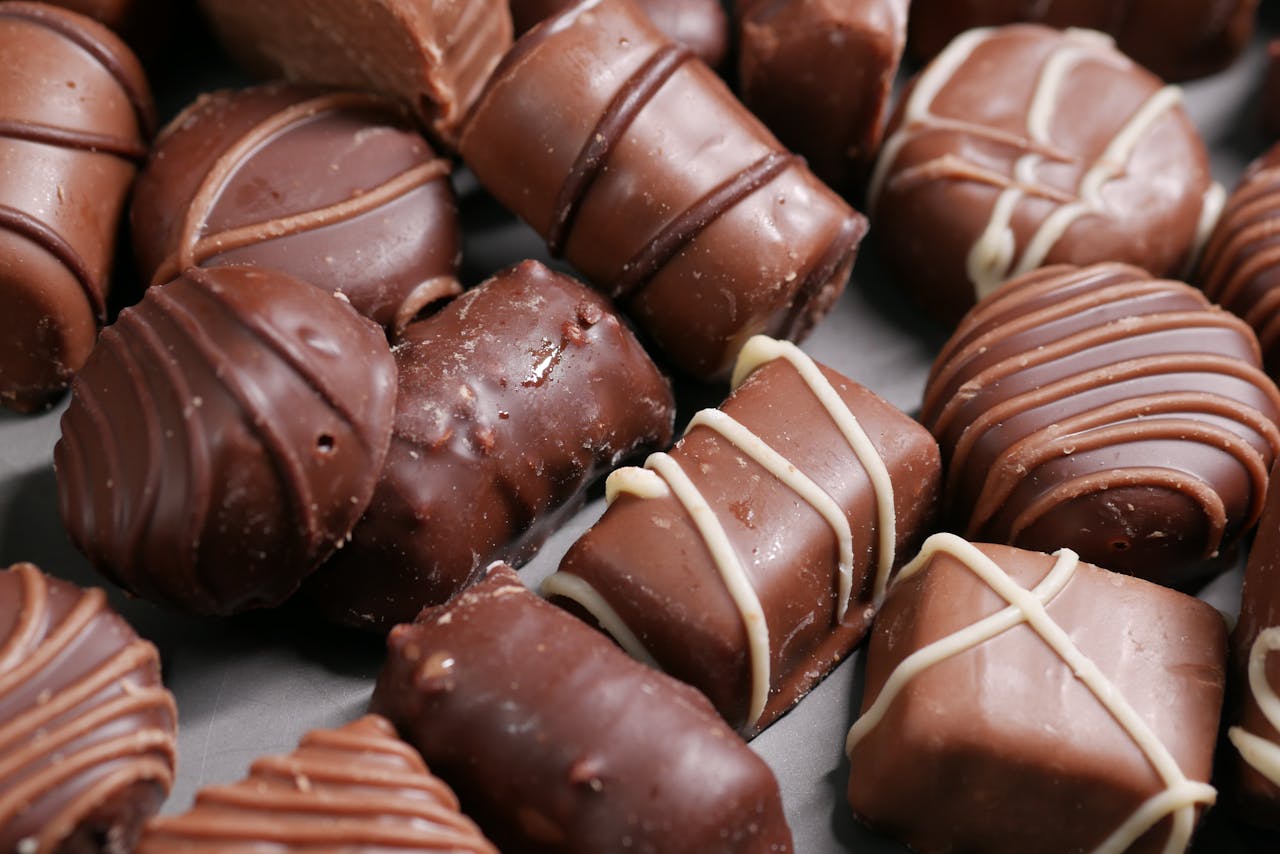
336,188
557,741
75,117
512,400
633,160
700,25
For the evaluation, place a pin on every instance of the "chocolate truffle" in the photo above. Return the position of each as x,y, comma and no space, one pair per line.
819,75
87,732
1176,39
700,25
511,402
432,55
557,741
1102,410
1018,701
637,164
335,188
750,560
357,788
224,437
1024,146
76,118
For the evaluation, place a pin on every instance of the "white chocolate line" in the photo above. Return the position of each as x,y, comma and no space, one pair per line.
1261,753
631,480
580,591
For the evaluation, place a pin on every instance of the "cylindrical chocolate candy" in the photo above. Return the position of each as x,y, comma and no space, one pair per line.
700,25
75,117
512,400
637,164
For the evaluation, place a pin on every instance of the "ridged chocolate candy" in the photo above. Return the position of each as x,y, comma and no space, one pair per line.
634,161
1102,410
224,437
700,25
75,116
87,732
512,400
358,788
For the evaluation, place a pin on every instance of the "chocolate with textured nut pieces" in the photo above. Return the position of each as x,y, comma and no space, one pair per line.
557,741
700,25
224,437
512,400
634,161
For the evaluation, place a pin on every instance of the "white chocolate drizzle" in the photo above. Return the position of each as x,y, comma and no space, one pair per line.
580,590
1180,795
1263,754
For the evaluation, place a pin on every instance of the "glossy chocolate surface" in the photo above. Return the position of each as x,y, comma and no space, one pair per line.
335,188
512,400
224,438
700,25
1102,410
557,741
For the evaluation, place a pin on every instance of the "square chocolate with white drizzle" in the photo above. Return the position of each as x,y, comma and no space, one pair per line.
1017,701
749,560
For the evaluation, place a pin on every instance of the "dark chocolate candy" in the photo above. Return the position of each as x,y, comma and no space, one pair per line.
557,741
224,437
75,116
432,55
1176,39
87,732
636,162
819,75
1024,146
1269,108
750,560
511,402
700,25
1108,412
1018,701
335,188
358,788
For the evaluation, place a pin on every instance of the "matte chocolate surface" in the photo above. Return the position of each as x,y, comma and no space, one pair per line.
87,732
635,161
224,438
750,560
1018,701
75,117
1102,410
700,25
335,188
1083,157
512,400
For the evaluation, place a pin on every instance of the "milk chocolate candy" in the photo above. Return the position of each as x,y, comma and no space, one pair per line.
1176,39
335,188
700,25
1102,410
432,55
358,788
1018,701
142,23
75,116
224,437
1024,146
750,560
636,162
557,741
819,75
511,402
87,732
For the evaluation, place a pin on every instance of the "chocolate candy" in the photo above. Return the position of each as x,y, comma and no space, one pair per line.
634,161
87,732
335,188
1176,39
1018,702
1082,157
1269,108
76,115
557,741
224,438
750,560
700,25
433,55
511,401
358,785
819,75
1108,412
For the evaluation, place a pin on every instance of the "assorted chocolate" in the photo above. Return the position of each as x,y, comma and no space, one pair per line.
87,731
558,741
700,25
512,400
